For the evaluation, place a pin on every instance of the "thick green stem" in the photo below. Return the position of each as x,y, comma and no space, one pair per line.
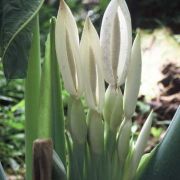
32,87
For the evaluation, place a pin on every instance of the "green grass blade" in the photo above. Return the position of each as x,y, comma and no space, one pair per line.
32,87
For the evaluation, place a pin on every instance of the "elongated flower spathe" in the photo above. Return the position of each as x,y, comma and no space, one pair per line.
67,49
91,60
116,40
133,79
142,141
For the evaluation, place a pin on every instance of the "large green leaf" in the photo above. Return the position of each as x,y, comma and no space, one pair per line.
16,34
164,161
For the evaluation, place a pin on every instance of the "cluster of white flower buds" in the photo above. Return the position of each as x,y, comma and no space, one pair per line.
85,65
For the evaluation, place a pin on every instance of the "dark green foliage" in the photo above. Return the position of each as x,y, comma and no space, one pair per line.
15,35
12,136
11,123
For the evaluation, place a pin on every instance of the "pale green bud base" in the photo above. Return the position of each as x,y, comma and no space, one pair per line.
78,130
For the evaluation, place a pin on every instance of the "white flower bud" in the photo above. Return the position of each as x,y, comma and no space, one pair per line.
67,50
92,72
141,143
116,41
133,79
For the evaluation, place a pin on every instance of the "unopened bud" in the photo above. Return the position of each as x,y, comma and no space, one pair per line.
113,108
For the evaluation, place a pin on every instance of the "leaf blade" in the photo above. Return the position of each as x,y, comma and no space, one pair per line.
16,35
164,161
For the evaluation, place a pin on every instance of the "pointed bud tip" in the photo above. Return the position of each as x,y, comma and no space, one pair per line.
63,5
138,36
88,22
